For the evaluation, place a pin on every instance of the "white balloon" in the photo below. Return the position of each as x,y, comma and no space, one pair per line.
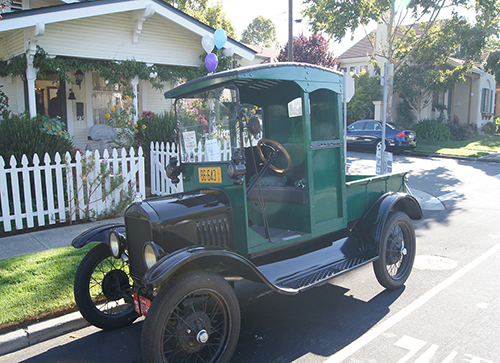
228,51
207,42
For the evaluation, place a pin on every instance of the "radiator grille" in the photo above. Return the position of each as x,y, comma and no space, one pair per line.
138,232
214,232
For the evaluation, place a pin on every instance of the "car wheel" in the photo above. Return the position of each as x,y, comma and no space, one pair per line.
396,251
379,146
103,290
194,319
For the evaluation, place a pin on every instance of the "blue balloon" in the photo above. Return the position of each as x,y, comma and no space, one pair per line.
220,38
211,62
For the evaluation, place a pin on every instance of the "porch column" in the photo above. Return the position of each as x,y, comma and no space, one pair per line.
378,110
134,82
31,77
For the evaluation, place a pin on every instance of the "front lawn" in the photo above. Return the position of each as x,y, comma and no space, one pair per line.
38,286
476,147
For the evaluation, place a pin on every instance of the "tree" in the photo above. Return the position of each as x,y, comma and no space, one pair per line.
213,16
368,89
314,50
336,17
260,31
427,72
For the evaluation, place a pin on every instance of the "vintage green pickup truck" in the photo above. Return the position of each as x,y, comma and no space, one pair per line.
261,157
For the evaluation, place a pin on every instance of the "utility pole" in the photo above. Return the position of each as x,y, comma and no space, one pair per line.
290,30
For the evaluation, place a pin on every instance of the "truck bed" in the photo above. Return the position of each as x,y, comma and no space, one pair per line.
364,190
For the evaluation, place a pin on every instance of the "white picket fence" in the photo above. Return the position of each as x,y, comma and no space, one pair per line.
34,195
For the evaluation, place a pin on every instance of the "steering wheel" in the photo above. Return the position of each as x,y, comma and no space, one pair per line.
279,148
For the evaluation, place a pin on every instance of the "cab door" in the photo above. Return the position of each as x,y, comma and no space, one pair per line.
326,163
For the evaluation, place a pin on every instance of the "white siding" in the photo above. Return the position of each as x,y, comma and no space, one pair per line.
111,37
12,44
10,89
156,101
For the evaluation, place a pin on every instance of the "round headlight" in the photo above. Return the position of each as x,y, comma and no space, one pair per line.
150,254
114,244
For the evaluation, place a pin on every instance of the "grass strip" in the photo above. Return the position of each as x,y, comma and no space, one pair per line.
476,147
37,286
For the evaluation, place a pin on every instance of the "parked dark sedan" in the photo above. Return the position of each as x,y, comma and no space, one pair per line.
367,134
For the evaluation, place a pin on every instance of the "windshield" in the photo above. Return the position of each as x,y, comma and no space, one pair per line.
207,124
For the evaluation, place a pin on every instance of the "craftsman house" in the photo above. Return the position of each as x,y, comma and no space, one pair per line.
473,101
150,32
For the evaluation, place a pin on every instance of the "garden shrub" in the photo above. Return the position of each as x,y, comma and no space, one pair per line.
22,135
459,131
153,127
490,128
432,130
406,116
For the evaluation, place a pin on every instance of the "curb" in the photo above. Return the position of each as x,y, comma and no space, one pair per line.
493,158
40,332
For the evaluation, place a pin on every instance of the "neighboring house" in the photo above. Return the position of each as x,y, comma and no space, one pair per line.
263,55
473,101
148,31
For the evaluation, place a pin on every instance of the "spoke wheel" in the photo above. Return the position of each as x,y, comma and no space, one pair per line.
103,290
396,251
194,319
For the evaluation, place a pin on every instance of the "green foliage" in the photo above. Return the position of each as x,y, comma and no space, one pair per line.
459,131
406,116
490,128
53,126
4,104
261,32
361,106
114,72
213,16
432,130
22,135
154,128
493,65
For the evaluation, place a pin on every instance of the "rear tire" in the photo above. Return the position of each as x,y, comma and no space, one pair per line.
396,251
194,319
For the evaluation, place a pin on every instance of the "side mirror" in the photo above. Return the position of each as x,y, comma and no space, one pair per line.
253,125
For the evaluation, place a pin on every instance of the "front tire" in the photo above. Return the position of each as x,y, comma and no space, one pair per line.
194,319
103,290
396,251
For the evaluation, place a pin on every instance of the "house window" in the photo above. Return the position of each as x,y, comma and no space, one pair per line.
104,96
363,69
486,101
352,70
343,70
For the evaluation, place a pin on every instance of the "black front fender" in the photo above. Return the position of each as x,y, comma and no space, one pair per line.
98,234
227,263
369,228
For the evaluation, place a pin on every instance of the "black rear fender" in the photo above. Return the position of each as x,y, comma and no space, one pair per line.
369,227
228,264
98,234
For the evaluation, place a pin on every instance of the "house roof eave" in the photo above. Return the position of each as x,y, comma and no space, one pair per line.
38,18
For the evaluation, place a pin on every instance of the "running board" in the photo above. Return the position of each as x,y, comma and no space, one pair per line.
317,267
323,274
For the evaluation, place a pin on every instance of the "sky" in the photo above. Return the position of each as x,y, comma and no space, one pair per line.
242,12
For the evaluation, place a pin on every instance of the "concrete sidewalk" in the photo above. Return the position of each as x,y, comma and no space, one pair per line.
33,242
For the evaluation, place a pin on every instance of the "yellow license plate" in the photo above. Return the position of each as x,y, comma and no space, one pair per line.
210,175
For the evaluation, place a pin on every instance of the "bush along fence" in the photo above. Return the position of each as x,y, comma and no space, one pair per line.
66,189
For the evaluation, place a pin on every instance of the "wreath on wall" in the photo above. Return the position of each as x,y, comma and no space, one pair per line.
114,71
